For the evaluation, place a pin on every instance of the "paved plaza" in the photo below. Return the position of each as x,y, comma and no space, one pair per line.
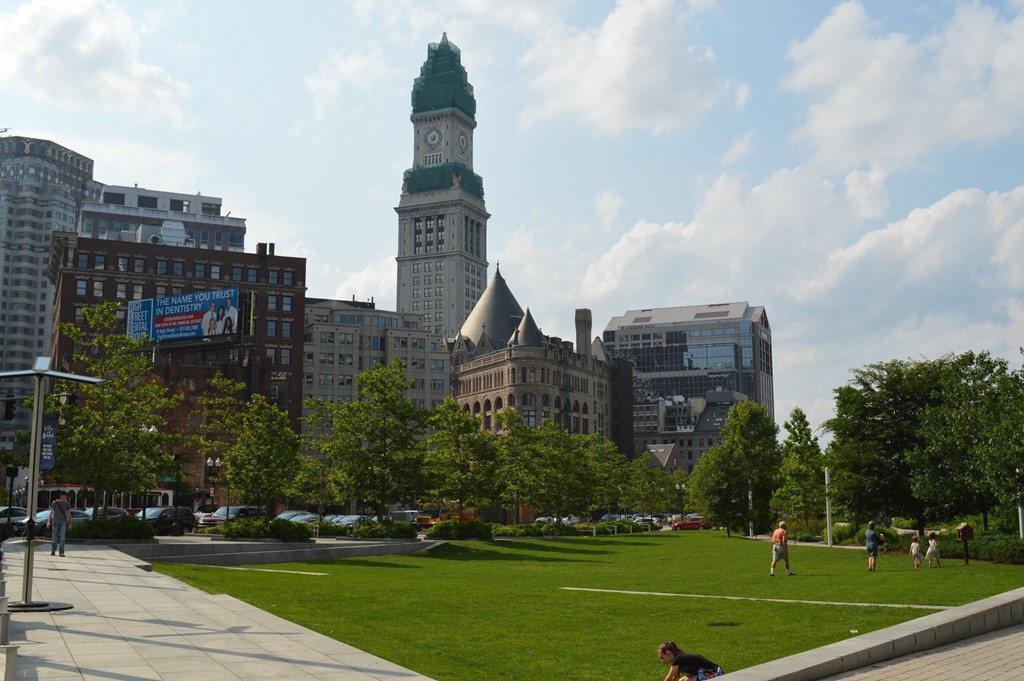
129,624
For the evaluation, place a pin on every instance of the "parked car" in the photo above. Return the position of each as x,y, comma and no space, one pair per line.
544,519
219,516
113,512
15,513
288,515
172,520
693,521
647,520
19,526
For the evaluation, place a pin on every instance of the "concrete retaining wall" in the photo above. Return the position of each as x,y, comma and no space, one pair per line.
257,552
930,631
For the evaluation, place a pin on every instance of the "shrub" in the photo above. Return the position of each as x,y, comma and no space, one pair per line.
128,527
332,530
522,530
843,533
286,530
558,530
992,546
393,529
213,529
807,538
453,529
245,528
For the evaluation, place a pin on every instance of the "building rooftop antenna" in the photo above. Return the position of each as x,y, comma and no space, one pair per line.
3,130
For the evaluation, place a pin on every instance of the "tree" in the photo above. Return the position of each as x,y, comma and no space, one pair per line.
801,491
948,471
263,463
739,475
518,447
462,461
718,489
221,409
113,437
378,438
319,482
649,489
876,427
608,473
1002,446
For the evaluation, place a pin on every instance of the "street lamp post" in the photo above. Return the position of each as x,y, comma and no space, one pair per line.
40,371
681,487
213,472
828,508
149,430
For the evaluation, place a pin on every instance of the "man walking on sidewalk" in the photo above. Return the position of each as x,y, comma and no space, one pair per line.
59,522
780,548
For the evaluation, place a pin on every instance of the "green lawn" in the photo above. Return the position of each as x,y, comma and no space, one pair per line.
497,610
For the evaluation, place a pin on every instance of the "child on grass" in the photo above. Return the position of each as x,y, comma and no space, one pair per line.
933,549
915,551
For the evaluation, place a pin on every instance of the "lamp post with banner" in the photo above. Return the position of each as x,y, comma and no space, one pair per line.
40,371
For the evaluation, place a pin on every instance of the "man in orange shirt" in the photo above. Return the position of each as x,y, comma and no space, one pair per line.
780,548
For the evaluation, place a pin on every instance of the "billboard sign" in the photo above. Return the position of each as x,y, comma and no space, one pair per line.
189,315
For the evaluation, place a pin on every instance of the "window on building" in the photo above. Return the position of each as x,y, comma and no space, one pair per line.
161,266
99,262
214,271
250,275
81,287
97,289
286,356
271,301
122,290
236,273
272,328
136,291
286,303
200,270
178,268
289,278
122,263
286,329
273,276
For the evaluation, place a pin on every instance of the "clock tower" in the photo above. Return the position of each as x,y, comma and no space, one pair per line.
442,220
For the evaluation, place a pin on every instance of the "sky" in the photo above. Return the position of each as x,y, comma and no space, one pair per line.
855,167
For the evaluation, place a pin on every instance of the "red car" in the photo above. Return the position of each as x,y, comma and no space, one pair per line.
692,522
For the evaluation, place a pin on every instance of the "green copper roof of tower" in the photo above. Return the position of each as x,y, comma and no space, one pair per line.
440,177
443,83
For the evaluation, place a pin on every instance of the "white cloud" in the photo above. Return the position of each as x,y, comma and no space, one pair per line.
943,277
338,76
867,192
636,70
86,54
376,280
739,149
125,161
889,100
608,205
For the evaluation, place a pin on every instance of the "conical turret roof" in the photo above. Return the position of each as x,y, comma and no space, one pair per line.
528,333
497,313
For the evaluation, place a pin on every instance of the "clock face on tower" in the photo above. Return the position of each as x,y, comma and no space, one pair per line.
463,140
432,137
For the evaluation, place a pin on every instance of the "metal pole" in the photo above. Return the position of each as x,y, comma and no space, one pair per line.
828,508
33,484
750,509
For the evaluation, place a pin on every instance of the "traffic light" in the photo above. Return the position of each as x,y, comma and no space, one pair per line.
10,406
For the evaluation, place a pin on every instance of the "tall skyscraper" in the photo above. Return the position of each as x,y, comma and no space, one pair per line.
42,184
442,220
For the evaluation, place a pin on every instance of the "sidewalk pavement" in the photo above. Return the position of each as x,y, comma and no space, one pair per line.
129,624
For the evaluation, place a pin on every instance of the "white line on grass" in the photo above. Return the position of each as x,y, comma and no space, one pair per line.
283,572
767,600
